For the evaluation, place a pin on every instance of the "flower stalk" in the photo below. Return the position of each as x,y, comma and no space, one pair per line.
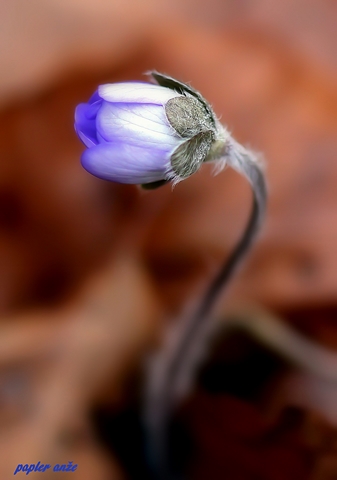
172,370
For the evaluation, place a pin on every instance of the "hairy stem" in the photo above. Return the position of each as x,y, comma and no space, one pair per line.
173,368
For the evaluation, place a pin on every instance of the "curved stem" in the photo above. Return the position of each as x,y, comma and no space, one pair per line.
244,164
175,366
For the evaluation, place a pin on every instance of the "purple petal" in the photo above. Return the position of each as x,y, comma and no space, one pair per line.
136,124
125,163
92,109
85,123
136,92
94,98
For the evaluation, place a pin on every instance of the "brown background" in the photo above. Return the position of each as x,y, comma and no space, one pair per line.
91,271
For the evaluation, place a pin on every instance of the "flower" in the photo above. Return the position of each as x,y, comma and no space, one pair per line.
143,133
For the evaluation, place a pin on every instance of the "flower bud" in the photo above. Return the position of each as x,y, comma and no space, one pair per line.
148,134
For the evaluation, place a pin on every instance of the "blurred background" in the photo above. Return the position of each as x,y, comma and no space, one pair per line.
91,272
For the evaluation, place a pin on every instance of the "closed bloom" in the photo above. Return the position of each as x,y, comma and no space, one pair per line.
142,133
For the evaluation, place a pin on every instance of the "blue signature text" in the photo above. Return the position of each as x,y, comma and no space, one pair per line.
40,467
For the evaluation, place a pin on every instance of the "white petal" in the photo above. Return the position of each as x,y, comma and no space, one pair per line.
136,92
135,123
